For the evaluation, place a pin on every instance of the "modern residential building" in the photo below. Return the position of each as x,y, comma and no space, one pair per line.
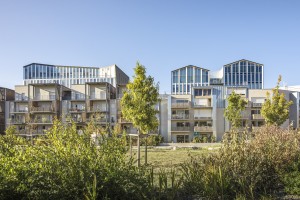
6,95
71,75
185,78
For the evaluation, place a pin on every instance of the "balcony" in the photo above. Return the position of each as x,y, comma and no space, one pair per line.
181,105
101,96
20,110
257,105
75,110
42,121
257,117
180,117
44,98
203,129
20,98
43,109
202,118
17,121
97,109
202,106
98,121
122,120
78,97
181,128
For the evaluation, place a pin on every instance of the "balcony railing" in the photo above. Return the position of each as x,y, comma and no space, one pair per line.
257,105
180,128
42,121
98,96
202,105
203,129
202,118
122,120
41,109
101,120
182,117
97,109
20,98
44,97
17,121
78,97
257,116
23,110
181,105
76,109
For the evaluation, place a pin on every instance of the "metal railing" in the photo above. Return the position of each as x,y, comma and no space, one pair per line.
203,129
24,110
98,96
42,109
257,116
257,105
17,121
202,105
101,120
185,116
181,105
202,118
76,109
44,97
180,128
42,121
78,97
97,109
122,120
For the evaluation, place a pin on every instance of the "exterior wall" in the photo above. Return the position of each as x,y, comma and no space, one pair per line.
163,116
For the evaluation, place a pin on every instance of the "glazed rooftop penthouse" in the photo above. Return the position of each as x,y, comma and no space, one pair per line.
72,75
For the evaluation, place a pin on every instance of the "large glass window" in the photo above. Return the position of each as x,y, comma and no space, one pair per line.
183,75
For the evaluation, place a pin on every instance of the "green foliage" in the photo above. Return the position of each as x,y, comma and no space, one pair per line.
276,110
68,166
242,167
152,140
139,100
236,104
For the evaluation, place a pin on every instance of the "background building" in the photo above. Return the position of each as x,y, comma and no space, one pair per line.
5,96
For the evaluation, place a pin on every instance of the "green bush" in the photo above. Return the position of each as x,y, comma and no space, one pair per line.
243,167
68,166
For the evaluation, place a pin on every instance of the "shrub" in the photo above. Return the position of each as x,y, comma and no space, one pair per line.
250,168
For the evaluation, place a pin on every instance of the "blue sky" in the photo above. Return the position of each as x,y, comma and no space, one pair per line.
162,35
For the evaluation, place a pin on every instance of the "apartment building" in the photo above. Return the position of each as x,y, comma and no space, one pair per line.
6,95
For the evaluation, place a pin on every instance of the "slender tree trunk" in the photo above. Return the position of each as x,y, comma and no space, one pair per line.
138,150
130,143
146,151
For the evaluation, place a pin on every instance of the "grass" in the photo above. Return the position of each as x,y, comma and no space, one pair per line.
167,158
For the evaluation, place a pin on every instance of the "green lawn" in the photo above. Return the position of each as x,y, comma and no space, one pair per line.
170,158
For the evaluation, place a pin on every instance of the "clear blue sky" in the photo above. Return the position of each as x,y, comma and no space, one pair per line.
163,35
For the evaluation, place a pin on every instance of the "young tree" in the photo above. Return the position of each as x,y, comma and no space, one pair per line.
138,103
236,104
275,110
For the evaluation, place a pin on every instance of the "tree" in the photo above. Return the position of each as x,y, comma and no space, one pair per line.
138,103
236,104
275,110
